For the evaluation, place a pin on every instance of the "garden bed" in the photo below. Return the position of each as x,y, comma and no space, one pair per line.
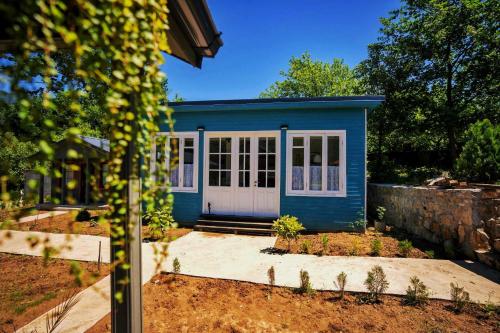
28,288
66,224
191,304
357,244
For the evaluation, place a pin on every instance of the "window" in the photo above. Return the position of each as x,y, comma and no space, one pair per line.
266,172
175,158
316,163
219,168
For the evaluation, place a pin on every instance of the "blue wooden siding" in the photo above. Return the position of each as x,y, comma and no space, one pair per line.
316,213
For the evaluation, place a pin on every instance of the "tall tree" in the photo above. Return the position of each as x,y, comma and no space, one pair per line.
438,63
306,77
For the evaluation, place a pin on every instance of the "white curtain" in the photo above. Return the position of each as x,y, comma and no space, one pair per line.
315,178
188,175
297,178
333,178
174,177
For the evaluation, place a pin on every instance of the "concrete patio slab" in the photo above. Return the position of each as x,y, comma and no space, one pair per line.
41,216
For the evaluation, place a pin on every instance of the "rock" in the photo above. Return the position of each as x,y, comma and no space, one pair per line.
436,181
461,233
481,240
496,245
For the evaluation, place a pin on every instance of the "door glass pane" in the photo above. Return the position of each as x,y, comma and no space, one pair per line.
262,161
225,178
271,162
271,179
261,179
262,145
241,179
188,163
271,145
315,162
213,178
214,161
214,146
333,163
225,145
298,142
188,142
225,162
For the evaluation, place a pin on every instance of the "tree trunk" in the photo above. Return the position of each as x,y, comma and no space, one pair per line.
450,115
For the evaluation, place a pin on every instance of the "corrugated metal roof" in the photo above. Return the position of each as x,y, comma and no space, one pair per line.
99,143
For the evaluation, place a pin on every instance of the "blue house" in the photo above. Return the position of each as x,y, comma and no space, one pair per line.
242,163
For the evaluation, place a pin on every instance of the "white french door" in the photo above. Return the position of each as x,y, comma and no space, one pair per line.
241,173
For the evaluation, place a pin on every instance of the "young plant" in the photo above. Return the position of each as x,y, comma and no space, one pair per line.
430,254
360,223
176,266
376,247
354,250
405,247
271,276
459,297
288,228
305,283
159,221
324,243
306,246
340,284
380,213
417,292
376,283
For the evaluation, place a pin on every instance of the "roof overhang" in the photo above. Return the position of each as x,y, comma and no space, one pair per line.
340,102
192,35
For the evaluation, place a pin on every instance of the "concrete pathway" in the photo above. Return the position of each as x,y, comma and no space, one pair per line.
245,258
40,216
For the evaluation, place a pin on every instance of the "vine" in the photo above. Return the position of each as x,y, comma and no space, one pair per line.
115,44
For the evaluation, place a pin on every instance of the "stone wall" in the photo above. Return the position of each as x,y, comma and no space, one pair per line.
467,218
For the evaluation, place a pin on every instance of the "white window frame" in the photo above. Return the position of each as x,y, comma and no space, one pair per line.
342,163
181,136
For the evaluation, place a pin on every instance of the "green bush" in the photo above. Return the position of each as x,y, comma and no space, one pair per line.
376,283
288,228
430,254
480,157
380,213
405,247
417,292
83,215
459,297
376,247
159,221
306,246
324,242
176,266
340,284
305,283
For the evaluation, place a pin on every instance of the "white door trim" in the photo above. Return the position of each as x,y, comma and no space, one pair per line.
234,163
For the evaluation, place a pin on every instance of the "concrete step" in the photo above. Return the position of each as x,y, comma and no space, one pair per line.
242,224
263,219
234,230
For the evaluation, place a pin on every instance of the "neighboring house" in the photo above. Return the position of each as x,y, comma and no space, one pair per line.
86,181
245,162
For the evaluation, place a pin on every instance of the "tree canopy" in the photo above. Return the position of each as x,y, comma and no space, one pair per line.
306,77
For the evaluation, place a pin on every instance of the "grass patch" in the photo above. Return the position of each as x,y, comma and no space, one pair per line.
20,308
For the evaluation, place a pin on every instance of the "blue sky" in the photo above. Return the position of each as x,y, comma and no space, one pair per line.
261,36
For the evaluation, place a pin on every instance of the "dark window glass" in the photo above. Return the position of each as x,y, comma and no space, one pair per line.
262,145
188,142
241,179
214,145
241,161
213,178
188,156
247,162
271,162
247,178
333,151
271,145
247,145
214,161
262,161
225,178
298,157
261,179
225,145
225,162
298,142
270,179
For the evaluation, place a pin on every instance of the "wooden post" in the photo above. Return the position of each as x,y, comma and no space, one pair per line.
87,181
126,316
40,189
63,181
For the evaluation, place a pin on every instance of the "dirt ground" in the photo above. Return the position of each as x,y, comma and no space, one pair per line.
356,244
28,288
190,304
66,224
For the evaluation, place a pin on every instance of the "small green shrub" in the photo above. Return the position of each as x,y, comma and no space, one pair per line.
354,250
480,157
306,246
83,215
271,275
340,283
324,243
305,283
360,223
380,213
417,292
459,297
159,221
176,265
376,247
430,254
405,247
288,228
376,283
449,249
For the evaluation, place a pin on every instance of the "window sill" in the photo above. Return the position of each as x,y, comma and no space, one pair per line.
181,190
320,195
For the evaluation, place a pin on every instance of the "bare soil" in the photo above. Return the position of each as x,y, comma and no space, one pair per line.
357,244
190,304
29,287
67,224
